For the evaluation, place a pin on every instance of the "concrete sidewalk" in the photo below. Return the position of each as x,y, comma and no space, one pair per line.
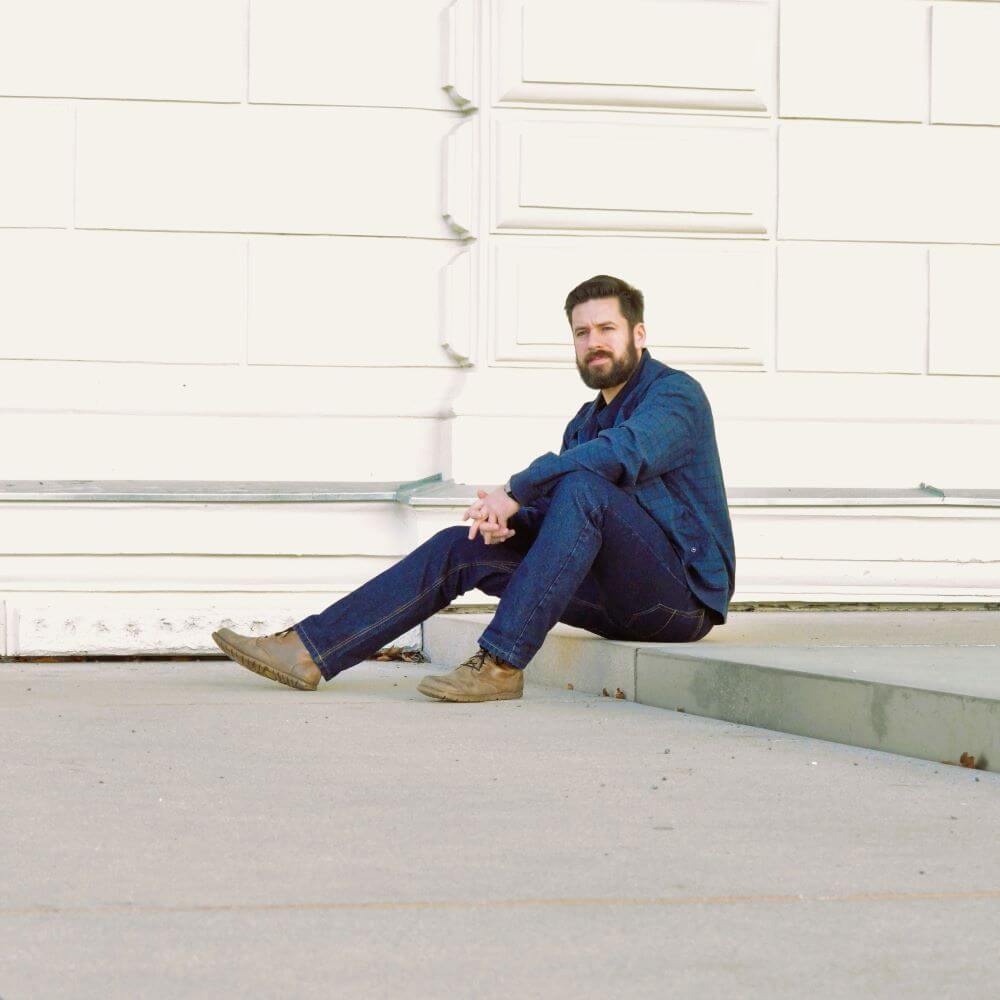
194,830
921,683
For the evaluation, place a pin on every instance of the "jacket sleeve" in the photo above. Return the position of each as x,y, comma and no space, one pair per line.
657,437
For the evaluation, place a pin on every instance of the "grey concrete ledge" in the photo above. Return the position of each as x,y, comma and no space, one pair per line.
924,684
448,493
433,491
207,491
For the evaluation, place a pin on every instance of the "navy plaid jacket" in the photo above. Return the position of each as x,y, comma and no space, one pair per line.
656,441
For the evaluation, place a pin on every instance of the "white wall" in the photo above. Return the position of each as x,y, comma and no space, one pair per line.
221,239
294,239
806,193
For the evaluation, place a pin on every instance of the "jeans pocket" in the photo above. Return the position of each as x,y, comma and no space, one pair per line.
660,621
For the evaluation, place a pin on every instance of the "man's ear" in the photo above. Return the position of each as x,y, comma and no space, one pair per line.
640,334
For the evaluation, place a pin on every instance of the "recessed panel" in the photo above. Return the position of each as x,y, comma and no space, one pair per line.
574,175
703,304
683,54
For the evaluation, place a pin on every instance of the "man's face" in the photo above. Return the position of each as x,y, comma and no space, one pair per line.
606,352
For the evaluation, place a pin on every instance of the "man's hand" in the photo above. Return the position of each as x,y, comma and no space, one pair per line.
489,515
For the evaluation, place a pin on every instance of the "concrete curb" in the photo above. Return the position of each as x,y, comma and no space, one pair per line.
920,691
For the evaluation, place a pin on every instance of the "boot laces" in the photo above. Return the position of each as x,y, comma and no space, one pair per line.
476,660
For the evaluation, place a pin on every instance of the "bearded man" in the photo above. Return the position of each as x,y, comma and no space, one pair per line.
625,533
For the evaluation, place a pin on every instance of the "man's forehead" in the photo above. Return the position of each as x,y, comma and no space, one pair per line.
597,311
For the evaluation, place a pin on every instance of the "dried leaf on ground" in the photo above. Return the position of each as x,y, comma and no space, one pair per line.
569,686
619,693
966,760
399,653
604,691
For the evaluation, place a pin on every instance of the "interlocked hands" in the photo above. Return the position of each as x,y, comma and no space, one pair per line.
489,516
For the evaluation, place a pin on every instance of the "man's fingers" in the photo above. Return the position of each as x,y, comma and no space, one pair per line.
494,533
476,509
476,506
487,526
481,521
486,523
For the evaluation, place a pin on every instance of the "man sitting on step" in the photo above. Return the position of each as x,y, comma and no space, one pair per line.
625,532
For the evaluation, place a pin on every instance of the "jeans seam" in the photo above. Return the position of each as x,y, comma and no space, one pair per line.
673,615
666,607
541,600
310,647
498,652
413,600
696,629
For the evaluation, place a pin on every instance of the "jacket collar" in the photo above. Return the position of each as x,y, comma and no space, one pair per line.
605,412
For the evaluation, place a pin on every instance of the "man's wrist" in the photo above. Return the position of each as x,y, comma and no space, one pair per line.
506,489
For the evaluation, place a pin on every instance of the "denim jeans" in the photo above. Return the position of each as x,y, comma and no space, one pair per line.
597,560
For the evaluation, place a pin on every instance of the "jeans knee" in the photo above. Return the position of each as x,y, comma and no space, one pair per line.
451,537
584,482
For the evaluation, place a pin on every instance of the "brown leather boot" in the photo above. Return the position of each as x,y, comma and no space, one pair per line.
482,677
282,657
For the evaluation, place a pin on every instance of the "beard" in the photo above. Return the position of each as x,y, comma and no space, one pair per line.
610,374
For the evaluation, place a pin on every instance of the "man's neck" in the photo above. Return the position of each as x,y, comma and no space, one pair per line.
609,394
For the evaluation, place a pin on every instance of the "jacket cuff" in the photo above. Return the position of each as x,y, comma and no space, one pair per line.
520,486
525,485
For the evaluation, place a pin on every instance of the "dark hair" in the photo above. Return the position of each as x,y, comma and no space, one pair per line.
604,286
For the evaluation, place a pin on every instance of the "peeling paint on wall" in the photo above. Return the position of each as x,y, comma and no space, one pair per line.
139,625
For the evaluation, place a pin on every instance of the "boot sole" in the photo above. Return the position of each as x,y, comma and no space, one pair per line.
259,667
441,696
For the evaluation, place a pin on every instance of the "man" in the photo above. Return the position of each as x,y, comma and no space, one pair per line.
625,532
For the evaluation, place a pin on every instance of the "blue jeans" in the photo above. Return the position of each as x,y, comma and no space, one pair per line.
597,560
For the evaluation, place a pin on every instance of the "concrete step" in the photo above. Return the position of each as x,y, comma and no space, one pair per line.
921,683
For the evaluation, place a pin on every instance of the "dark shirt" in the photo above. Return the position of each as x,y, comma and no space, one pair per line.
603,415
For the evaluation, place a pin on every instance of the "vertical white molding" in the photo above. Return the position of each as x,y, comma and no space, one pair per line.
459,306
459,201
459,46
